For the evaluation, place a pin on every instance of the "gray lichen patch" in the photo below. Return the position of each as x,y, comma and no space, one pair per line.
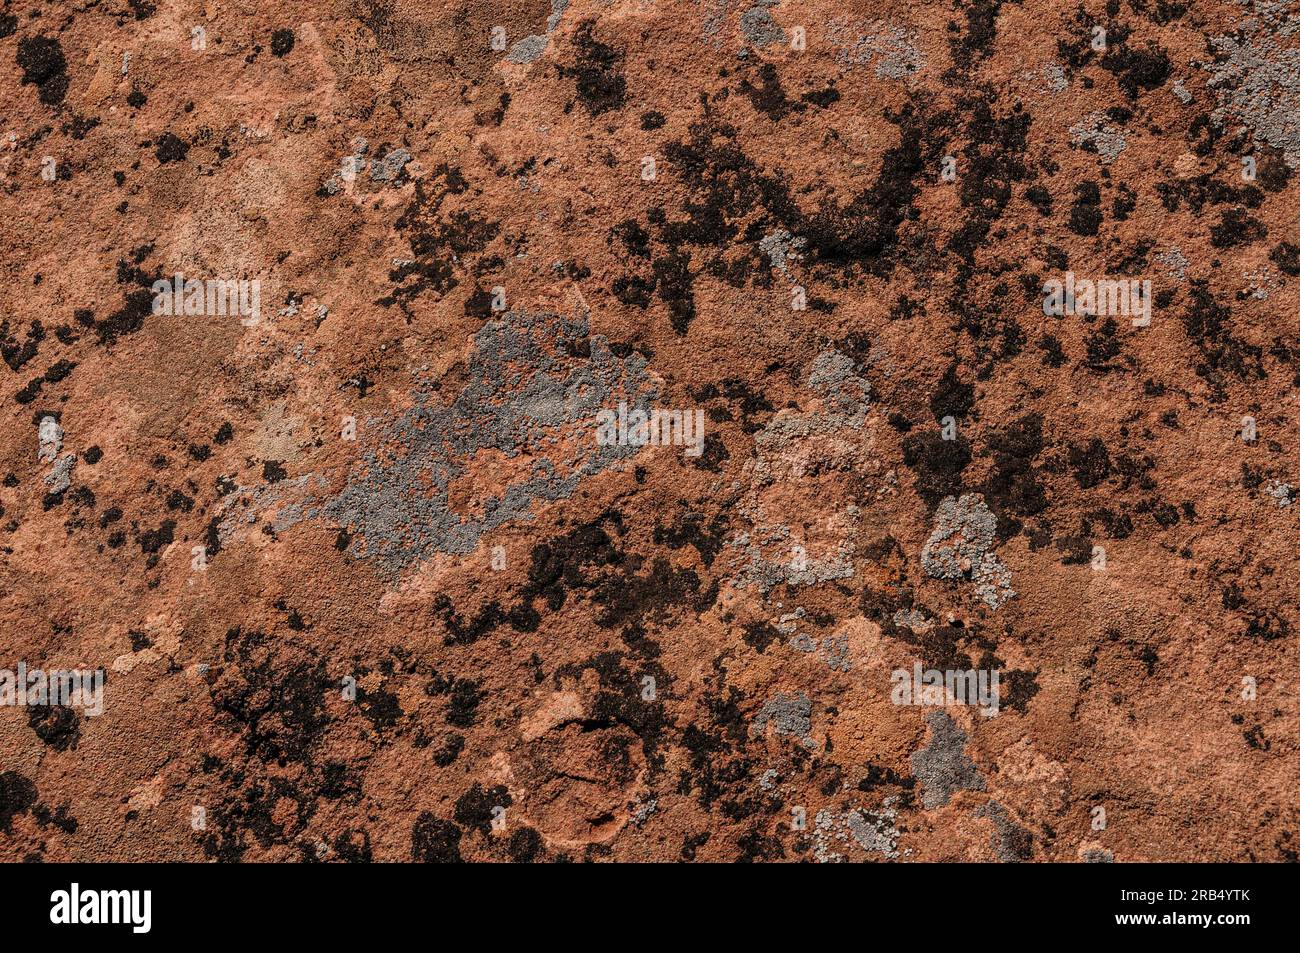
527,49
288,502
527,395
1282,494
531,47
943,767
832,432
914,620
390,166
782,248
1054,75
50,439
1011,843
1175,261
1108,140
964,531
873,831
1256,77
757,25
793,568
892,48
60,476
789,715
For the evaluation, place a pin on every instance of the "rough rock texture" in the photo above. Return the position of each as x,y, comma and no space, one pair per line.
366,583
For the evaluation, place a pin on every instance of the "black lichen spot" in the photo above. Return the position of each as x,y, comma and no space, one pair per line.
1137,70
952,396
600,85
759,635
1040,198
524,846
43,65
1085,213
171,148
675,285
17,354
138,300
282,42
475,808
769,98
56,726
1103,345
1287,258
273,471
938,464
462,709
276,697
435,841
380,706
447,753
17,797
1235,227
1090,463
1209,328
1053,353
1013,485
155,539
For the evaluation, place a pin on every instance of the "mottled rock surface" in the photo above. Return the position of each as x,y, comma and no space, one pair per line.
366,580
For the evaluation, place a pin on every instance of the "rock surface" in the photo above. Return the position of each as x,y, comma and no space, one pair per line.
364,576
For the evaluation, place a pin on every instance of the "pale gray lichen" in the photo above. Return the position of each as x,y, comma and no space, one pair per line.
1108,140
964,532
764,573
894,49
943,767
531,47
1175,261
390,166
527,49
1283,494
781,248
50,439
1056,78
290,500
1256,77
714,15
527,392
60,476
914,620
789,715
759,27
642,810
875,831
1011,843
833,431
872,831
